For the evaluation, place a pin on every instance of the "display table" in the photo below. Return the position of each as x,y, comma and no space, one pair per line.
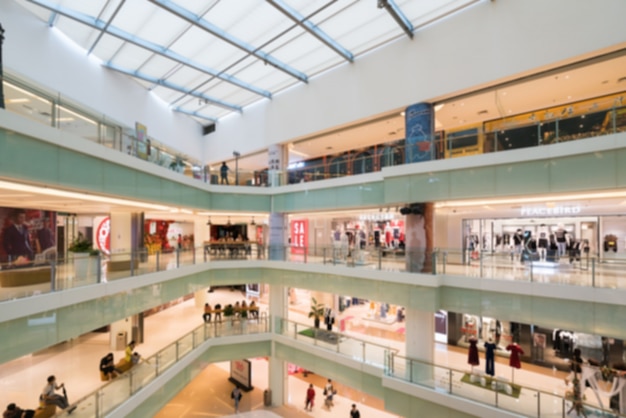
25,276
230,249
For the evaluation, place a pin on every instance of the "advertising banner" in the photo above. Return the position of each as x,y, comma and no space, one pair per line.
299,236
419,120
241,372
27,236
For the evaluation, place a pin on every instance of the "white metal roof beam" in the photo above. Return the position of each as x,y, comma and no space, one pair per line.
172,86
226,37
397,15
311,28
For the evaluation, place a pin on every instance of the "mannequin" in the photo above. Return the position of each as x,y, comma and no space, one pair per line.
490,352
472,354
562,239
530,247
388,235
514,361
542,242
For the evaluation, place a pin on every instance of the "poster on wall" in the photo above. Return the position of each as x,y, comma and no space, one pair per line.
27,236
240,373
143,144
299,236
419,129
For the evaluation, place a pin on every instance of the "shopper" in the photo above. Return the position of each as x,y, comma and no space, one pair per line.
329,392
254,311
310,398
14,411
354,413
236,396
224,173
49,396
206,316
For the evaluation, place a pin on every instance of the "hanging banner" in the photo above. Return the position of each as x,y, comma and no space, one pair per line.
299,236
143,144
419,121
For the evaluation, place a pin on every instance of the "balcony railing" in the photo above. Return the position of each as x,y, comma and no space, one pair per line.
25,280
498,392
111,395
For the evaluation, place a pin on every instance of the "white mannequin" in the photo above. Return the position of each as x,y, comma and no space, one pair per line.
562,239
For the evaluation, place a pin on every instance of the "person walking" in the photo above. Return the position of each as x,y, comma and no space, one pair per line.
354,413
310,398
236,396
329,392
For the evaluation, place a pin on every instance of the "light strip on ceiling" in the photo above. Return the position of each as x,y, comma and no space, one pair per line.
80,196
538,199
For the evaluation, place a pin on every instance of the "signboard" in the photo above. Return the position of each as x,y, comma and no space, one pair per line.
557,210
419,121
299,236
103,235
240,373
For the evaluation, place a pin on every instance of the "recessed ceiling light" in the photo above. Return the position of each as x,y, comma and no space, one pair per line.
401,113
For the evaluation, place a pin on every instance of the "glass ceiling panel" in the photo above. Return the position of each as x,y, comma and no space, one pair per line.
207,49
265,76
161,27
159,67
131,56
134,15
226,92
305,46
107,46
187,77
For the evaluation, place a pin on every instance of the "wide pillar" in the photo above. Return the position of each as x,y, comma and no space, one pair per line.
277,239
277,367
420,344
419,237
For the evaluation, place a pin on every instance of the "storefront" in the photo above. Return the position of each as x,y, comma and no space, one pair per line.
549,233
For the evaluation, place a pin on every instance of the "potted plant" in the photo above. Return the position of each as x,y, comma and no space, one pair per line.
84,263
316,312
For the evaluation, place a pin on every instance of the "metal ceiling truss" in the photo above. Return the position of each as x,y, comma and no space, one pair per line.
201,23
398,16
103,31
311,28
150,46
192,113
172,86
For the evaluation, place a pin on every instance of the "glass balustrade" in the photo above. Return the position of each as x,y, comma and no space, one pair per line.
605,115
104,400
19,279
498,392
357,349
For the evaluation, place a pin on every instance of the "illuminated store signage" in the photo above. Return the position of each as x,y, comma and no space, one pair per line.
553,211
376,216
299,236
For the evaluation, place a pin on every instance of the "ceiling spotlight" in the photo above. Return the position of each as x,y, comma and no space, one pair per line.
209,221
228,222
252,222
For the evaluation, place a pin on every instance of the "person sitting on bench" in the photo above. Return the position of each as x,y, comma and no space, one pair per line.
14,411
107,367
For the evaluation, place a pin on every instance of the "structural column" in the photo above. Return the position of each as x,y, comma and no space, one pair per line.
277,367
420,336
419,237
277,160
277,239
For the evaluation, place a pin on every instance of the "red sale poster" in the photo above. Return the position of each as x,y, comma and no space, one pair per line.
299,236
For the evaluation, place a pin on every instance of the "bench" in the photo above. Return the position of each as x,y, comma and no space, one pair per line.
14,277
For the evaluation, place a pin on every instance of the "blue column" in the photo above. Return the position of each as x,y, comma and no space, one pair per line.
420,129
